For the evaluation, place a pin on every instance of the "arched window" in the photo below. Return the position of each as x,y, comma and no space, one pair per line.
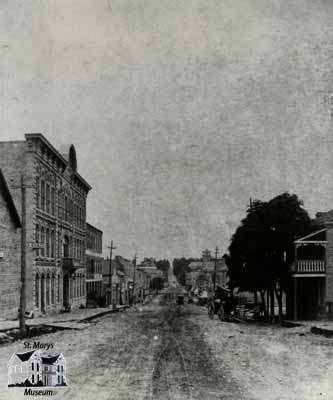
53,289
37,291
58,293
37,239
65,208
48,198
47,242
52,244
42,195
42,240
48,281
37,192
53,201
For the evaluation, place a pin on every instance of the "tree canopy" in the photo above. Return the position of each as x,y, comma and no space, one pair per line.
262,248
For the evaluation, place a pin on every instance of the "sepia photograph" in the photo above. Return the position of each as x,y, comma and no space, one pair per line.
166,199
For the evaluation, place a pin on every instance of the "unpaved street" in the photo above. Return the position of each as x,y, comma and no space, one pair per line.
161,352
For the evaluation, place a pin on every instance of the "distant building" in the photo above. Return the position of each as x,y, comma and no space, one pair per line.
148,265
126,282
201,273
37,368
10,249
94,260
55,208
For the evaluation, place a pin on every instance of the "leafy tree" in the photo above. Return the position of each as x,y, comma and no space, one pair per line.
262,248
163,265
180,267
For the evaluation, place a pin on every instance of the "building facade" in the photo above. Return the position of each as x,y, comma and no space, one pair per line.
10,253
94,259
128,281
55,215
310,294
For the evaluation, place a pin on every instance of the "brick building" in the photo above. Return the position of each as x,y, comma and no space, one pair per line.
94,259
10,249
55,218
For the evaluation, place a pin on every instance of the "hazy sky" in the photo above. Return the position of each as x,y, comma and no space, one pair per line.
180,110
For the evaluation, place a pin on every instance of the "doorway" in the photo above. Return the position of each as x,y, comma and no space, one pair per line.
66,290
42,297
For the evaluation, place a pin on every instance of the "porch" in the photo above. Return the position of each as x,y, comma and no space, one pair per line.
308,274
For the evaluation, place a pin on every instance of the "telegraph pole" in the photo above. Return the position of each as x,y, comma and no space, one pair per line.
215,265
23,260
110,272
134,266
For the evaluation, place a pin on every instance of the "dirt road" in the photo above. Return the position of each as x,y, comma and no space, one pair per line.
162,352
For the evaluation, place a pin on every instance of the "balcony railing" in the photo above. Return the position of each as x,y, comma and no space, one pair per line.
93,277
309,267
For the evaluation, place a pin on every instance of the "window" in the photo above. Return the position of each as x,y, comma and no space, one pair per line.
37,291
66,209
58,368
58,377
53,289
42,240
60,205
32,379
53,201
47,242
48,290
58,294
52,243
37,377
43,195
37,370
32,366
37,239
47,198
37,192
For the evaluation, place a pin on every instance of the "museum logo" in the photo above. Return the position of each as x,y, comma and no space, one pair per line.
37,370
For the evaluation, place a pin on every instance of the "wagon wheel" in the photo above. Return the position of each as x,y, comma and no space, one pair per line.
211,310
221,313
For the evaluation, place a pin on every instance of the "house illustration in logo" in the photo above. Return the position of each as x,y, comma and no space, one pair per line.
37,368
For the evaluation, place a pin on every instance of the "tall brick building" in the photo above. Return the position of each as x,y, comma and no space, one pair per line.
10,271
55,209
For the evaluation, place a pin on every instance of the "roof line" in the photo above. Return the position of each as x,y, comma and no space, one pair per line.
310,234
65,162
9,200
47,143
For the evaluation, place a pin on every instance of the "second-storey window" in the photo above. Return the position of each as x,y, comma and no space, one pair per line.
42,242
53,200
47,198
47,243
37,192
52,244
42,195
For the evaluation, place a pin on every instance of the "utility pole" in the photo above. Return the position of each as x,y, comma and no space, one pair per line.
215,265
134,266
23,260
110,272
